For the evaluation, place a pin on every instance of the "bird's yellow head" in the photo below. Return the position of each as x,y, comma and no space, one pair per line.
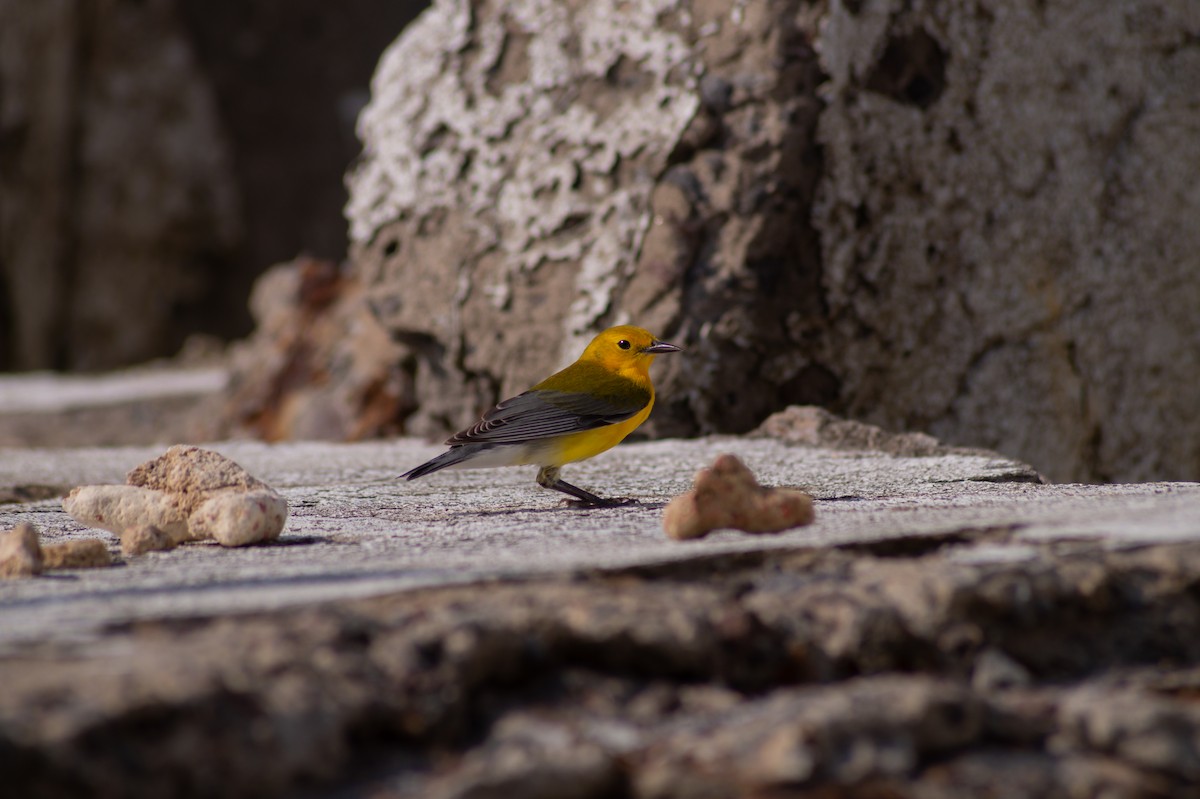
626,348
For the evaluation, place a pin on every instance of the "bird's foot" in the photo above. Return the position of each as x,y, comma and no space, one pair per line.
548,478
615,502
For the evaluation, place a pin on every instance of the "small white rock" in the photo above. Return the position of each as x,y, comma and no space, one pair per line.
118,508
239,518
145,538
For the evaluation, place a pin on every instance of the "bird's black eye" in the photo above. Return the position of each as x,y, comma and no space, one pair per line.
623,344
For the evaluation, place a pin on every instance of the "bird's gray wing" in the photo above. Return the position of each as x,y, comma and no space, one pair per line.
542,413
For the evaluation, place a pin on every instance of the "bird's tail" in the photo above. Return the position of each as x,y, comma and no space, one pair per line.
452,457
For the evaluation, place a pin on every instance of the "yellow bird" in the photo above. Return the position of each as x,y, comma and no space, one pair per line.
572,415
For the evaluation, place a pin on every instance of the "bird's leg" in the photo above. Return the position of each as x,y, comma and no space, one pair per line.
547,477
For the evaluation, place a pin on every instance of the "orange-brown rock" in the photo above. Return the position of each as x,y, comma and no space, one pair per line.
727,495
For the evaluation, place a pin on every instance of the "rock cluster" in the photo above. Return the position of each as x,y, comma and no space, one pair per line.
727,495
187,494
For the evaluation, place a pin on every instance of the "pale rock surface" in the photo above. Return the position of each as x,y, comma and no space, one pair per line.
192,473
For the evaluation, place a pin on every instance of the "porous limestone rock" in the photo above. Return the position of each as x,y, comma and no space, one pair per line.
190,474
238,518
118,508
23,555
143,538
810,426
493,233
20,553
188,494
726,495
84,553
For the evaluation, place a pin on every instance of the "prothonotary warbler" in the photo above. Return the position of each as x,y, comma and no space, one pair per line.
572,415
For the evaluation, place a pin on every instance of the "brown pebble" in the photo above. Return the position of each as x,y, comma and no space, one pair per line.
20,552
726,495
145,538
85,553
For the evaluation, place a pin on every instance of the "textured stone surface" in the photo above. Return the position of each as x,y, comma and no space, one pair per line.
154,405
1005,199
558,224
786,671
192,473
353,529
506,182
23,555
319,365
810,426
948,626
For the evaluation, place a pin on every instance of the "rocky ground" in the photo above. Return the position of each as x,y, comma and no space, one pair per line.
949,626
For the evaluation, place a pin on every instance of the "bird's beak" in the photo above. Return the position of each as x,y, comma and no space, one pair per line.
659,347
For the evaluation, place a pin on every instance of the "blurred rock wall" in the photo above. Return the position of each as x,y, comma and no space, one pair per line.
117,183
1008,218
971,218
156,156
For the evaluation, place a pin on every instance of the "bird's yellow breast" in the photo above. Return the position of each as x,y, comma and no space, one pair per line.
580,446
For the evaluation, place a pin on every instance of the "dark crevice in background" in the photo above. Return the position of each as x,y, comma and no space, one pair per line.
289,80
912,70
